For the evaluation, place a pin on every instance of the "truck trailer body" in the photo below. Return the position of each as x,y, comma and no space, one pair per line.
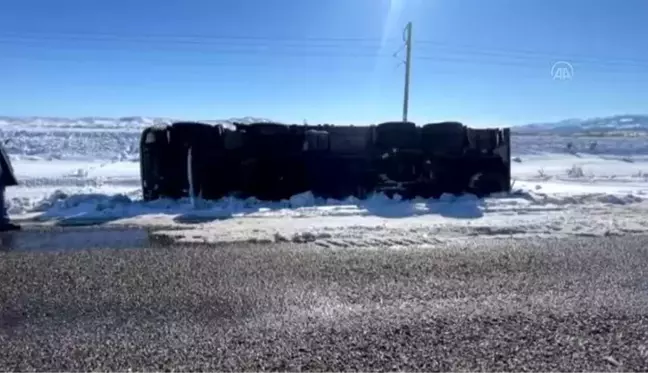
273,161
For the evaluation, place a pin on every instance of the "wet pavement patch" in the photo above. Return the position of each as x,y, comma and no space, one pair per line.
81,238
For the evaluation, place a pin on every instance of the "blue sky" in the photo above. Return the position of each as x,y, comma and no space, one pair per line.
485,62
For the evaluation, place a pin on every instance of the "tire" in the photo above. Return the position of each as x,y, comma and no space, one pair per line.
483,140
444,139
154,150
351,141
207,146
188,132
265,128
399,135
397,126
398,151
273,155
233,140
487,183
269,139
316,141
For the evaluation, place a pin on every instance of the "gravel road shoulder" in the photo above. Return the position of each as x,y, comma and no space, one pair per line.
550,304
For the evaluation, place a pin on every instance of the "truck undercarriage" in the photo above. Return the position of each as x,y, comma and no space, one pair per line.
272,161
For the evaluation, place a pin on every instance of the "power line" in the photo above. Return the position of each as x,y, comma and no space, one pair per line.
304,41
256,65
432,66
255,47
509,51
211,54
456,59
525,54
349,49
188,38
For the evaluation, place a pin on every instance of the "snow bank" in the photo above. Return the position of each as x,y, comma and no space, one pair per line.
375,222
380,222
95,206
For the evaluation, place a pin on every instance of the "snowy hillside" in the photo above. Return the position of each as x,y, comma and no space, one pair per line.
87,170
135,123
613,125
78,138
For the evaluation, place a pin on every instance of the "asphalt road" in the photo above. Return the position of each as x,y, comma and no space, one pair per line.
570,304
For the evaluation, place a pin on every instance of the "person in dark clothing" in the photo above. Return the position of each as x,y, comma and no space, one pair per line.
7,179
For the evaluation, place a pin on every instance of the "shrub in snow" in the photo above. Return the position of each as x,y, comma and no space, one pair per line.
48,202
576,172
18,205
618,200
593,145
80,173
517,159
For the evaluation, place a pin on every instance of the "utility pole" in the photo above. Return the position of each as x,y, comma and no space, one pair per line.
408,60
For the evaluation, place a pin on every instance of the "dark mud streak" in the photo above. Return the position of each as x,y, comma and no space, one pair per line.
55,238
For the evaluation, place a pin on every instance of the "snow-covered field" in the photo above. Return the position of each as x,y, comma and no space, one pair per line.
88,171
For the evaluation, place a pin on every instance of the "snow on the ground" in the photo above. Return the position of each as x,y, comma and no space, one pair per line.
41,180
378,221
76,173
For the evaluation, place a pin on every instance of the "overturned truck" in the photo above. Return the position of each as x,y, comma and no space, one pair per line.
272,161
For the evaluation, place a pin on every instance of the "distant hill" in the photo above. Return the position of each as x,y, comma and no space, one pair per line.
612,125
123,123
618,125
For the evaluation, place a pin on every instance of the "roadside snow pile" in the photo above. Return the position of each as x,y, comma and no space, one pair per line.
380,222
60,205
98,206
375,222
